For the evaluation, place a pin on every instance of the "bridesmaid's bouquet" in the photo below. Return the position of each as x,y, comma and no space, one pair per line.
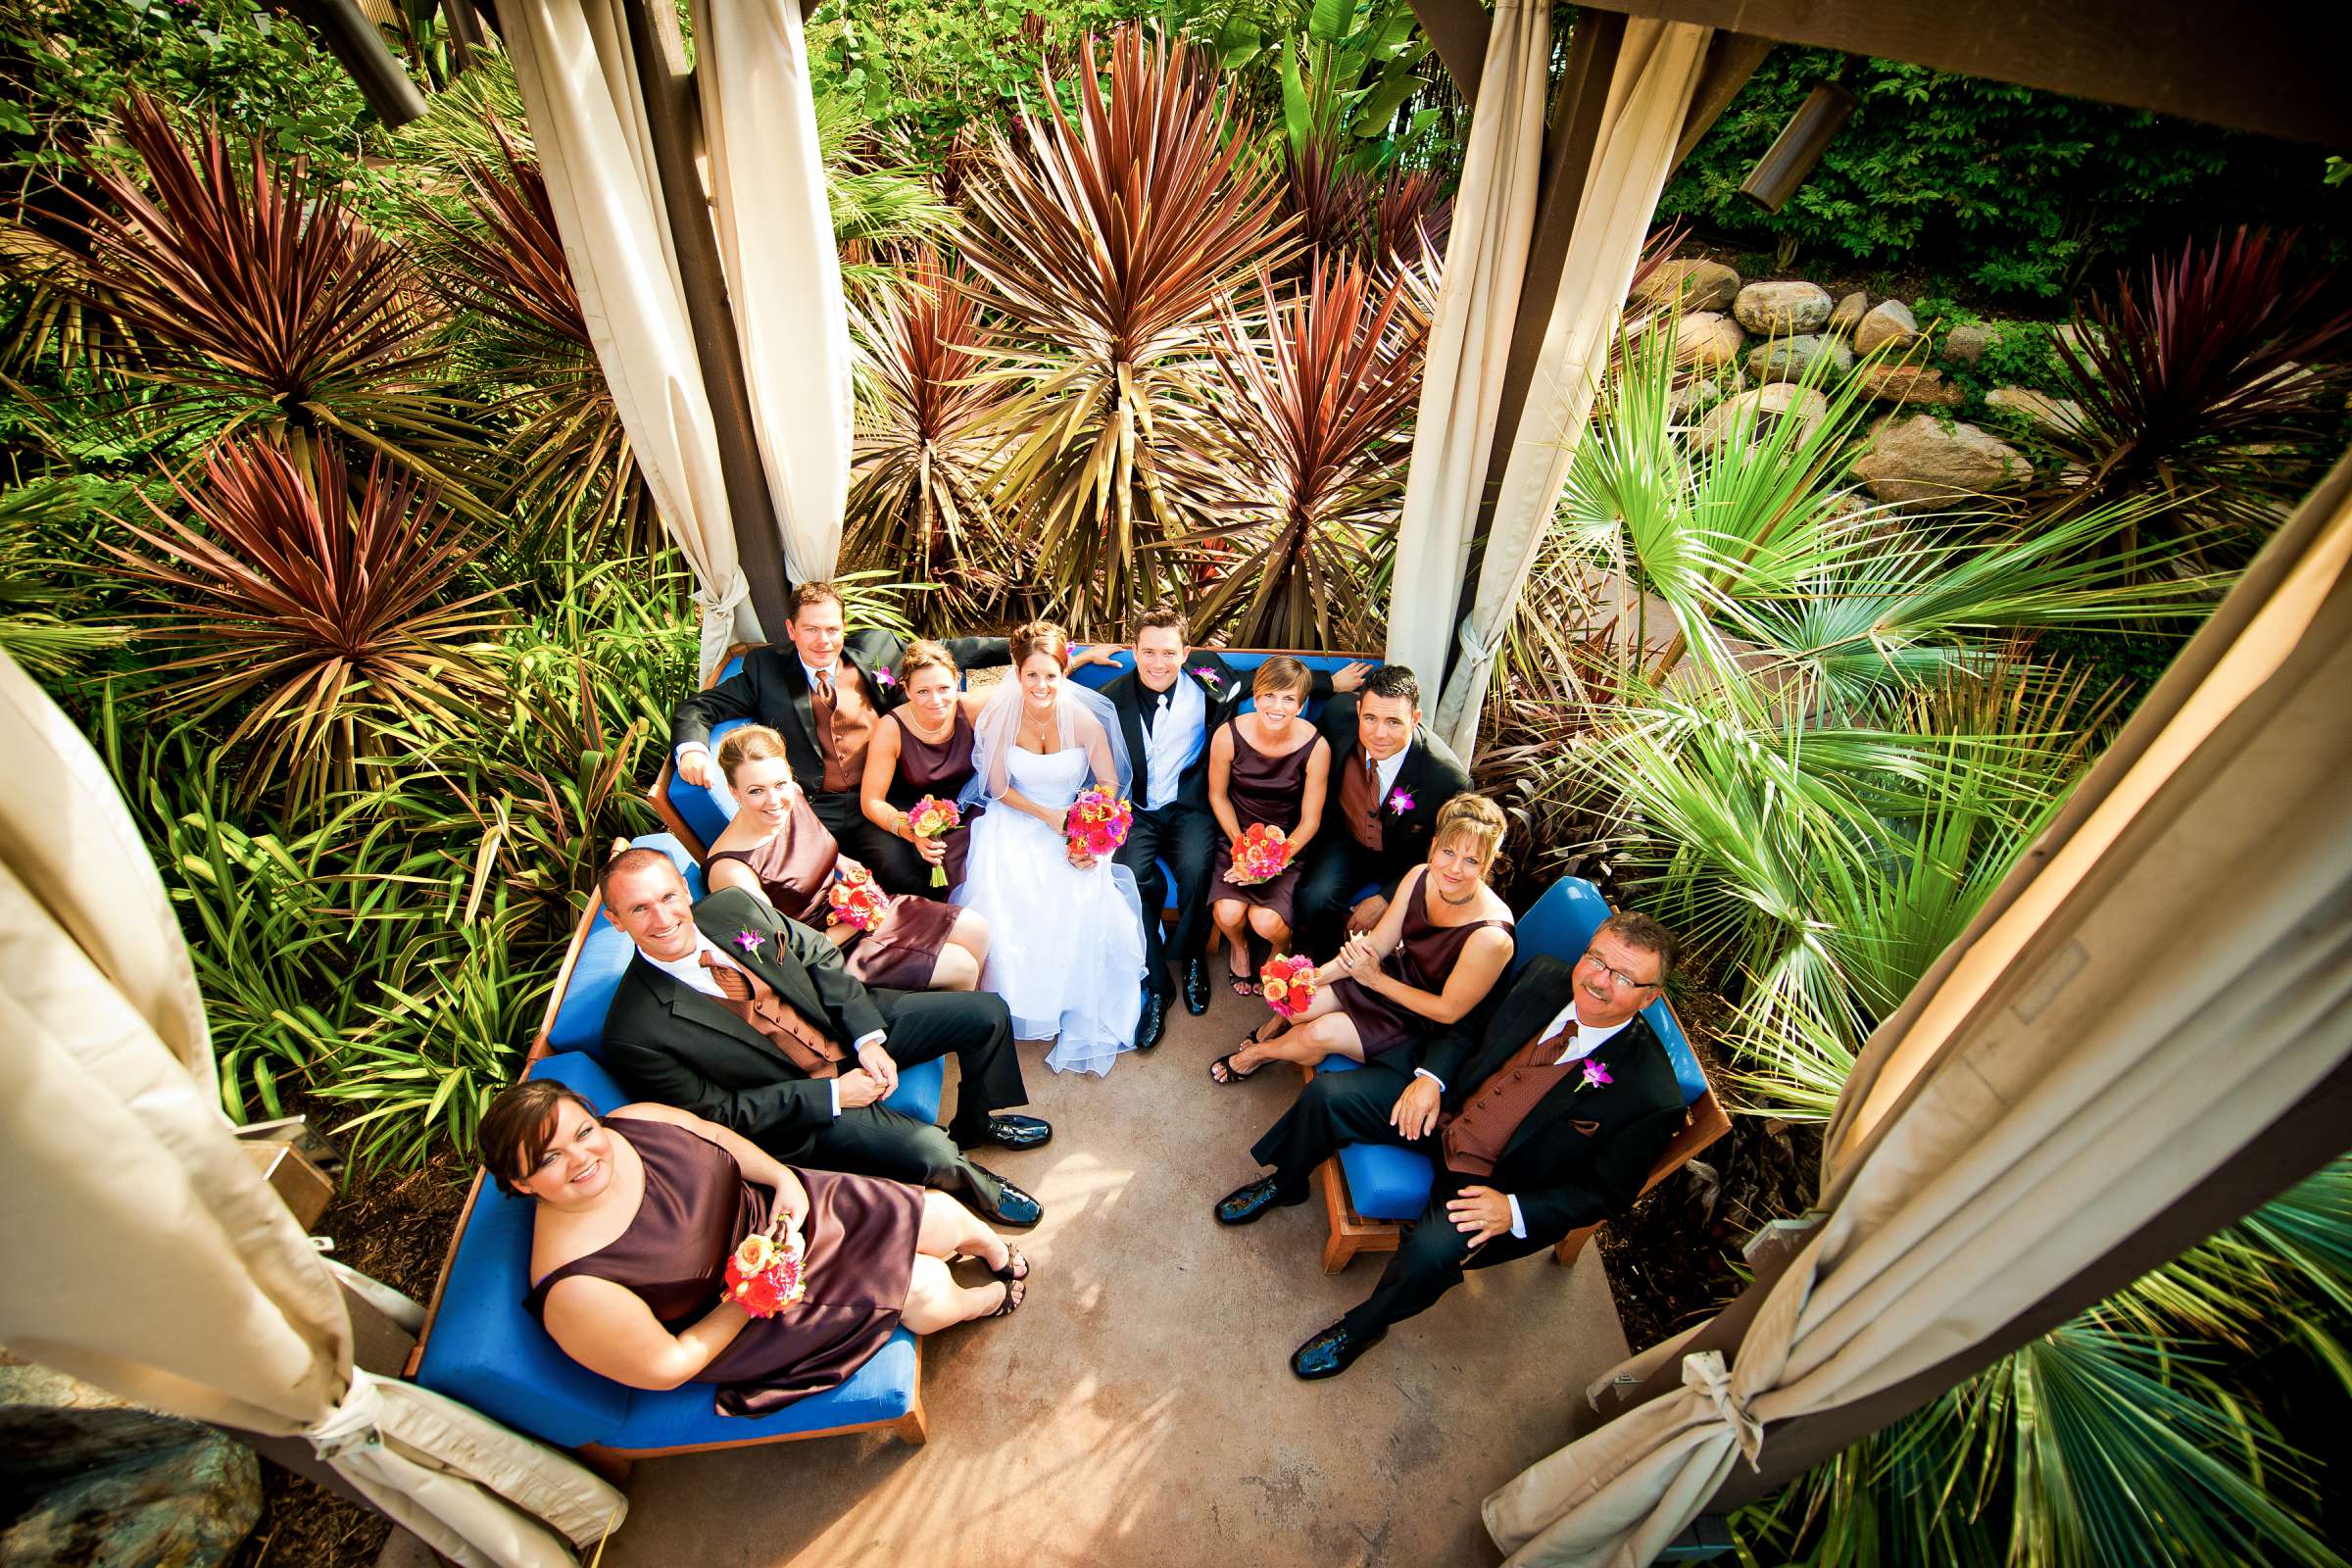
764,1274
1287,983
934,819
855,900
1263,854
1099,821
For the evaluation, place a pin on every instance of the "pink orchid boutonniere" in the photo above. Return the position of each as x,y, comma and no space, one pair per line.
747,941
1400,802
1597,1076
1205,675
883,676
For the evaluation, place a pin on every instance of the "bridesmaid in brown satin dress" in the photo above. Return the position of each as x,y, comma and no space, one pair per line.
1435,954
924,747
1270,767
778,849
637,1215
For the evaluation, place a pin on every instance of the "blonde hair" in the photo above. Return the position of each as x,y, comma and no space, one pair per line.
1475,819
1281,673
751,744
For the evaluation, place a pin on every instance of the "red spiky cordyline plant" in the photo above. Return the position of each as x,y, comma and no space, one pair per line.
919,503
323,615
1106,246
1316,402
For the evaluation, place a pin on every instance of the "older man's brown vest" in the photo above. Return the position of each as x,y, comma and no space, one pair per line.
1476,1137
845,724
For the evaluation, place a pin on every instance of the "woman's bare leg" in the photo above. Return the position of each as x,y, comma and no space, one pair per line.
1266,923
1328,1034
934,1300
1232,917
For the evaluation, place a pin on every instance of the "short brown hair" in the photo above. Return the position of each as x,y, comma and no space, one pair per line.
926,655
636,858
815,592
1039,637
751,744
1641,931
1394,681
517,1128
1281,673
1473,817
1161,617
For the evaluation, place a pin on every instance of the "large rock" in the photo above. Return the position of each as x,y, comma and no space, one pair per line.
1966,345
1708,338
1779,401
1694,285
2039,411
1791,359
1922,457
1909,383
1850,314
1891,325
1783,310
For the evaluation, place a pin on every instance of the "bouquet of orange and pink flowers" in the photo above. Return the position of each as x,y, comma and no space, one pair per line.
934,819
856,899
1263,854
1287,983
1099,821
764,1274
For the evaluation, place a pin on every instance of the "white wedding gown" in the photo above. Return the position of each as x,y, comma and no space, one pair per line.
1065,946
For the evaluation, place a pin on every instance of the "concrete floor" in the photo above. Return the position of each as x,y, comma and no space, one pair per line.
1138,1409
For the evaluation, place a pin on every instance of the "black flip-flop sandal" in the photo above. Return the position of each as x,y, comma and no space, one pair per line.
1232,1074
1016,1269
1242,985
1014,1291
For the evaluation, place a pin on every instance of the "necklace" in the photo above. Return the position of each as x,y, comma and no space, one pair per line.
1457,902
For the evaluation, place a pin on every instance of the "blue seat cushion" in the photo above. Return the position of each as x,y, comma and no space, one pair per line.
603,957
882,1390
1386,1182
706,814
1562,924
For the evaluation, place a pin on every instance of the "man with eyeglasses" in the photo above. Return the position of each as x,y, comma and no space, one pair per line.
1551,1122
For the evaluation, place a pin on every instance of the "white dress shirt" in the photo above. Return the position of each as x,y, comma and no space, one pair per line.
1173,735
1585,1041
1385,774
689,972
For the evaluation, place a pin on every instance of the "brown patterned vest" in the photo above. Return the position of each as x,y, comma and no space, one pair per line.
1360,799
1477,1136
779,1023
845,724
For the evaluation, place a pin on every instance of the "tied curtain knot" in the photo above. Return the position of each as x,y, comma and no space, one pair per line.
1706,1374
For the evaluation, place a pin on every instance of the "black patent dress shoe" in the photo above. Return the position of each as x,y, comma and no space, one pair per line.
1151,1022
1332,1352
1196,986
1012,1206
1005,1132
1246,1204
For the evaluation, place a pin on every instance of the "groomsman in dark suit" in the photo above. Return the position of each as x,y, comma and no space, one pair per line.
1168,705
740,1015
1549,1122
823,691
1389,777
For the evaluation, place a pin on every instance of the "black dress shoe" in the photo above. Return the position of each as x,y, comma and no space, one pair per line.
1012,1206
1246,1204
1151,1022
1332,1352
1196,986
1005,1132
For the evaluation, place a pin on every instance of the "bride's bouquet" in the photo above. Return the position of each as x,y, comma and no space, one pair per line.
855,900
1287,983
1263,854
1099,821
764,1274
934,819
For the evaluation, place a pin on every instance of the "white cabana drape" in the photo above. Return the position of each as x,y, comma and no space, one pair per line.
1650,95
1478,299
145,1253
2175,974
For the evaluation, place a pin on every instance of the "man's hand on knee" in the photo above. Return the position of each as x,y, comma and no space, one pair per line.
1366,916
1480,1213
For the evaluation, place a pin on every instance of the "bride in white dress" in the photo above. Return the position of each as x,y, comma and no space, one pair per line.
1067,952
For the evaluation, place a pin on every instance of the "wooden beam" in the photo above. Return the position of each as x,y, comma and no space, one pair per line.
2275,69
1459,29
1732,58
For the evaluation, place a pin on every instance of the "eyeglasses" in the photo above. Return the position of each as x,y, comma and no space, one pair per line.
1592,957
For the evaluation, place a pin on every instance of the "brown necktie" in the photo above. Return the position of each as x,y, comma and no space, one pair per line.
733,981
750,999
824,687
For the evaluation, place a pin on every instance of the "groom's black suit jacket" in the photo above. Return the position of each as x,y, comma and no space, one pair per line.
772,689
1581,1154
668,1042
1224,688
1431,775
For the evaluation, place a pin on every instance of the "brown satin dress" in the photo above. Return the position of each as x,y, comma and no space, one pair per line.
796,866
1425,956
941,769
859,1234
1263,788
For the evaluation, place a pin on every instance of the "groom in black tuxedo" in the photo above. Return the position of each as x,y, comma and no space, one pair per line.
1551,1122
823,691
736,1014
1168,705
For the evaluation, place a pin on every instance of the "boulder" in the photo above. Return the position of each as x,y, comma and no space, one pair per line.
1920,457
2039,411
1849,312
1708,338
1890,324
1695,398
1966,345
1783,310
1780,399
1909,383
1694,285
1790,358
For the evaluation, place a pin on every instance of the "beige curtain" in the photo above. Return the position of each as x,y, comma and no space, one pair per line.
2169,980
578,76
1478,299
144,1251
775,237
1650,96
